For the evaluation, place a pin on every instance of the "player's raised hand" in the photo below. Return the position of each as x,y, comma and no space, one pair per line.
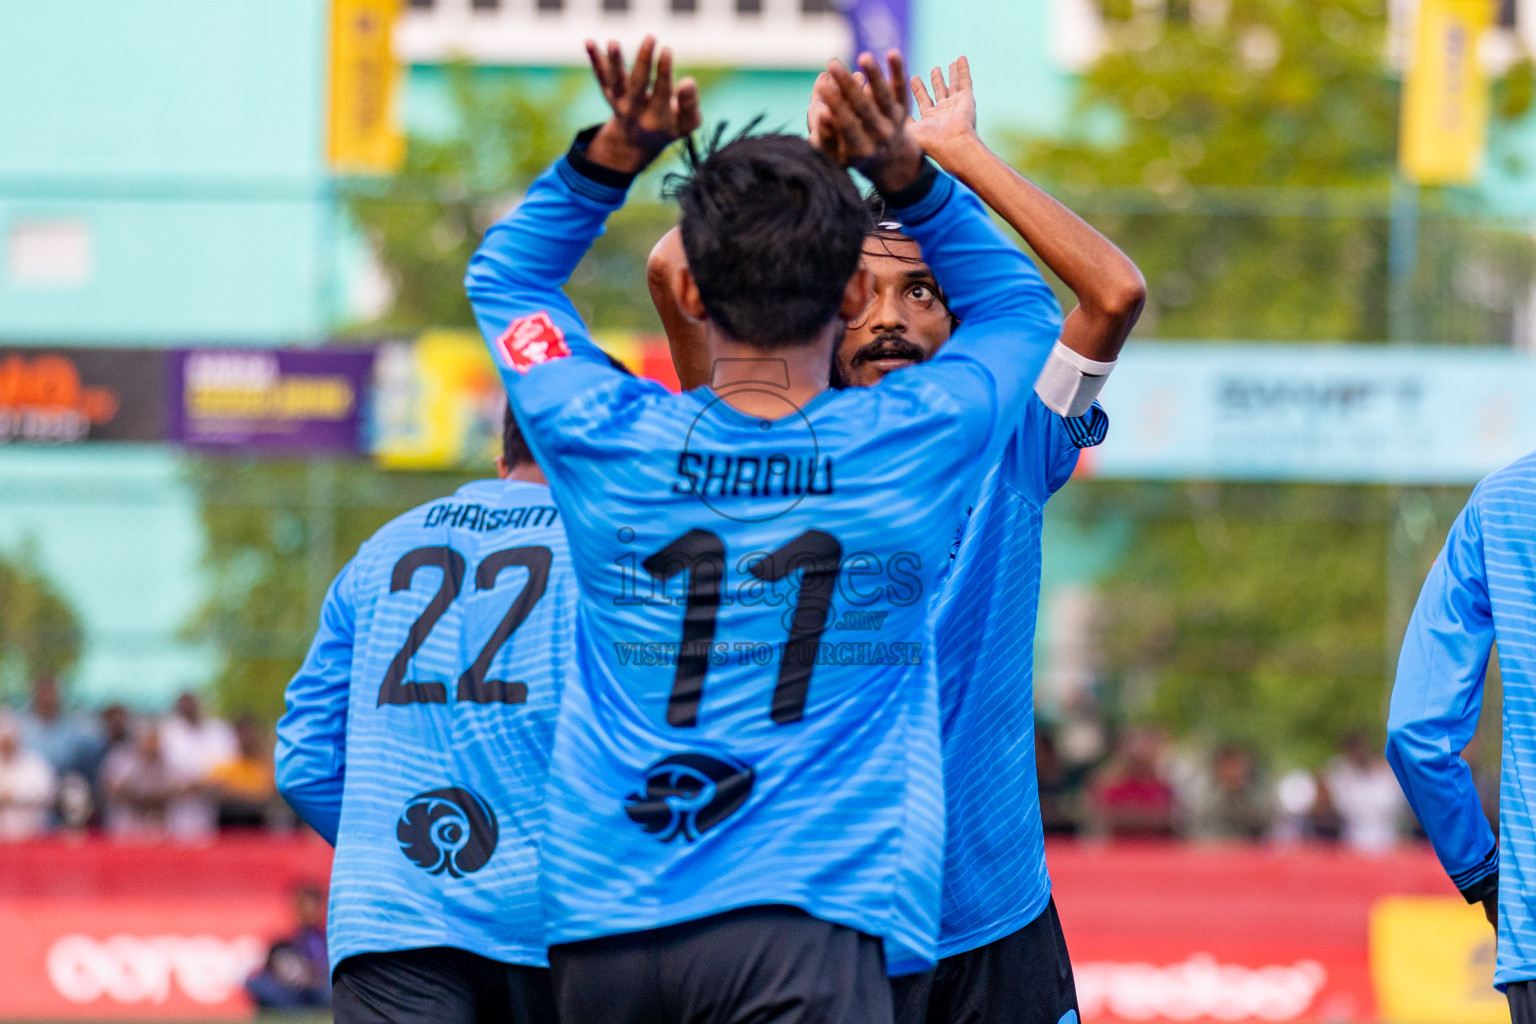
821,123
649,113
870,121
948,116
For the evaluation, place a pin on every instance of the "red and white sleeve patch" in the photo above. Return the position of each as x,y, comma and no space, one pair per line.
531,340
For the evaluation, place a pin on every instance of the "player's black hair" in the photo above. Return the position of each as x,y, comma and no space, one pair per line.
514,449
772,229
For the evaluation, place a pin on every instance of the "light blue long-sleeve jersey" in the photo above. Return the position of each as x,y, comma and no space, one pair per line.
995,879
417,733
757,717
1481,591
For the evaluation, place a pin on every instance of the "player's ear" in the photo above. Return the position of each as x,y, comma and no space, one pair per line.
858,295
502,469
686,289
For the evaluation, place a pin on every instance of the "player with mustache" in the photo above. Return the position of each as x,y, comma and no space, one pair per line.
1003,956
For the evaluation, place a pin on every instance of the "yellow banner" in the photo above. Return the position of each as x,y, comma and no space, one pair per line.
1444,123
439,404
364,136
1432,962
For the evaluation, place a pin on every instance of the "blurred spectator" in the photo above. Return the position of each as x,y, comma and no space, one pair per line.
116,728
66,741
194,744
1370,802
1132,799
297,974
245,786
1231,802
70,743
1304,810
140,787
27,785
1060,787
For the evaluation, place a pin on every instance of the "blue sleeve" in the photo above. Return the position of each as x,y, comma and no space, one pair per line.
1435,706
515,280
312,734
1009,318
1042,460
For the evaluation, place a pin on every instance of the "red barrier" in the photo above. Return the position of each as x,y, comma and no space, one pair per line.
1228,933
97,930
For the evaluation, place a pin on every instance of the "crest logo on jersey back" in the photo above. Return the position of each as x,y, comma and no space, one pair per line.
689,794
531,340
450,830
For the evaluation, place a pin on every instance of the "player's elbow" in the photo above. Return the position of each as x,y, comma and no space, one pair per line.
1120,296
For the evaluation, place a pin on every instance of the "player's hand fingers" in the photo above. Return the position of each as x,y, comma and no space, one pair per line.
824,133
661,89
861,104
599,68
920,93
689,116
851,128
616,68
640,74
879,88
898,85
940,90
960,74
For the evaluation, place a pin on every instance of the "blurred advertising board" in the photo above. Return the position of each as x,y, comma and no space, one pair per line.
1433,958
439,399
100,930
1246,933
290,400
70,395
1341,414
364,135
1445,94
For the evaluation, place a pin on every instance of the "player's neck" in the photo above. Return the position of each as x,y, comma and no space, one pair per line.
528,473
796,373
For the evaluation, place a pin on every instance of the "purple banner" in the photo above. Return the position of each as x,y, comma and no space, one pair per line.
879,25
296,400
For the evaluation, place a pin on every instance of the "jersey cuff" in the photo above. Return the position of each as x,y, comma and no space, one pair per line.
593,180
1089,429
922,199
1481,880
1481,890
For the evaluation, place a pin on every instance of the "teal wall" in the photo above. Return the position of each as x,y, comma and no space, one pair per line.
186,135
1019,86
116,531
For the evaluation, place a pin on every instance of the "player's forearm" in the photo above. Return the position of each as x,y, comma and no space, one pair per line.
688,340
1439,787
1436,702
1109,288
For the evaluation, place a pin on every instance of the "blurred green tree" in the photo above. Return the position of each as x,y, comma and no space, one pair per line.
40,632
1242,153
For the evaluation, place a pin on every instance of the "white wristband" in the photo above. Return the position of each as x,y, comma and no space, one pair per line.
1070,381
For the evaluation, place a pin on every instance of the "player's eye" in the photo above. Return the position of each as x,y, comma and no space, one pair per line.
922,295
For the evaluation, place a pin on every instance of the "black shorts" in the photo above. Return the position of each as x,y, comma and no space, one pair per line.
1522,1001
767,965
439,984
1023,978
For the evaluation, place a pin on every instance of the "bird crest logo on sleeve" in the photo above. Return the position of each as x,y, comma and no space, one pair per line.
531,340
